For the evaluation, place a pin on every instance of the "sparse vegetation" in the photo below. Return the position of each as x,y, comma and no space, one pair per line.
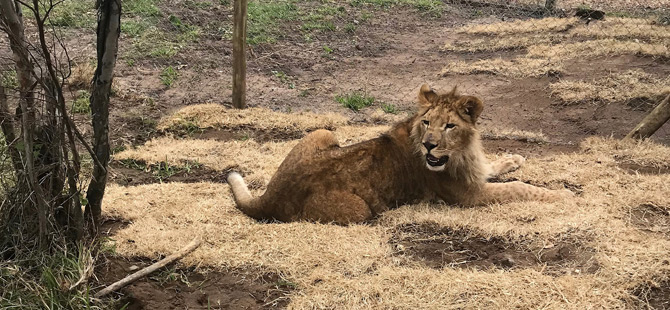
8,79
355,101
637,85
81,104
389,108
54,285
162,170
168,76
73,14
265,18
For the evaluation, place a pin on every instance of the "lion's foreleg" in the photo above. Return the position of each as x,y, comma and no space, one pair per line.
518,191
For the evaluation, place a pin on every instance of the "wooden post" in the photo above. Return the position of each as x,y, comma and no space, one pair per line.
239,55
550,5
653,121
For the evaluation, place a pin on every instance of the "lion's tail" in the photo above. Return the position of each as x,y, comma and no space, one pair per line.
247,204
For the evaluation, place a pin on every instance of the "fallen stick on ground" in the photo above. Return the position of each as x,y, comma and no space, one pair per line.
653,121
141,273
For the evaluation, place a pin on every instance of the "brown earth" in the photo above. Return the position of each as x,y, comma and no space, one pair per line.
189,289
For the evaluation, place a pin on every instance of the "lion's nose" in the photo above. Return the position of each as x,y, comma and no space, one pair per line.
429,146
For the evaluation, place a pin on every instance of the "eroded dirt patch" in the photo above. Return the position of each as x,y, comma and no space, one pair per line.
242,134
439,247
654,296
131,173
172,288
652,218
634,168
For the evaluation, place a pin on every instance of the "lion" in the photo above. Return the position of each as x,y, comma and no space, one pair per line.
435,154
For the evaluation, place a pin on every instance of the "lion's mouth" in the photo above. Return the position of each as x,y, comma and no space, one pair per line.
436,162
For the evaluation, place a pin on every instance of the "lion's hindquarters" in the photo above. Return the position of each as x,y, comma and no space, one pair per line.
336,206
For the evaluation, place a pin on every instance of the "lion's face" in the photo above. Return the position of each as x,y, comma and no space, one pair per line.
445,125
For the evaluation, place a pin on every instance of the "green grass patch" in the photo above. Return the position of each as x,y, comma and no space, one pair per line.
355,101
81,104
318,25
134,28
6,169
432,8
72,14
265,19
187,32
9,80
168,76
194,4
154,43
163,170
142,8
284,78
45,281
389,108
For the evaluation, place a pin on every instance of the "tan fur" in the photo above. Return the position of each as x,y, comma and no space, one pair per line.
321,181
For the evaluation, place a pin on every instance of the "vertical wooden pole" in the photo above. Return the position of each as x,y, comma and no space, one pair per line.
239,55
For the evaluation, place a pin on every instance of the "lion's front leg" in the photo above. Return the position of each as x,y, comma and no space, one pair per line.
518,191
506,164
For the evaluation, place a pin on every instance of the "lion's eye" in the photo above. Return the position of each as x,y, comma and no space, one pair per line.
451,125
426,122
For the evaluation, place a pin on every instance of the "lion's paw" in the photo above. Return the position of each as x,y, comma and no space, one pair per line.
517,159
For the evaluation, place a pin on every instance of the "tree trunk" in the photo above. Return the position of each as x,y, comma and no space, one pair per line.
109,29
239,55
13,17
7,125
653,121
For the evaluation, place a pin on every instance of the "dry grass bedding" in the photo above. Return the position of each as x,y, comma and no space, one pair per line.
547,46
631,84
217,116
358,267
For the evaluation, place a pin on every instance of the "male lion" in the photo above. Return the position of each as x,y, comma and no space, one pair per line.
435,154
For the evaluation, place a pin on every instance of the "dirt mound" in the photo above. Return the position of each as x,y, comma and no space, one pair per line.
440,247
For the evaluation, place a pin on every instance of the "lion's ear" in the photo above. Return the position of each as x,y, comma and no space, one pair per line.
427,97
469,107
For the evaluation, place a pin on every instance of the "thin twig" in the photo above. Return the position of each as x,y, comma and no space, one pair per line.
148,270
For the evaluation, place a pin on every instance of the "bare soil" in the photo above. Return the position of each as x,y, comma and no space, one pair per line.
123,175
190,289
187,288
655,296
439,247
651,218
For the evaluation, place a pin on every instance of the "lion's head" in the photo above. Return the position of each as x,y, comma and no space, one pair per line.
445,127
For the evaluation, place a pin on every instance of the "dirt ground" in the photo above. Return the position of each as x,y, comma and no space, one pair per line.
387,56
